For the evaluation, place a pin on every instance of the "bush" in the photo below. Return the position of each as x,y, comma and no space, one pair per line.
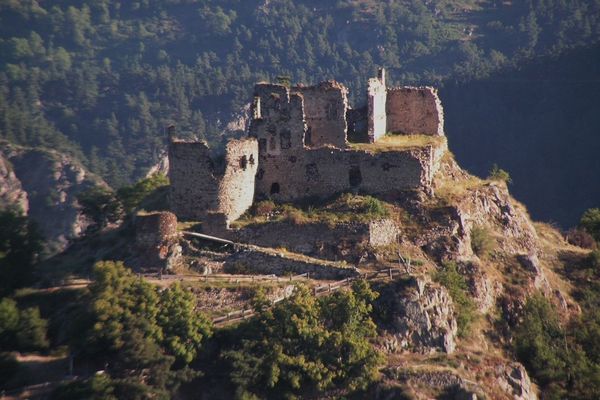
590,222
579,237
31,332
375,207
498,174
482,242
594,259
456,284
264,208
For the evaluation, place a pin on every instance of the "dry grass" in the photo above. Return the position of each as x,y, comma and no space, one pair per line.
400,142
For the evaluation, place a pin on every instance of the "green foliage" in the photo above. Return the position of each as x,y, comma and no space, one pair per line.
133,195
482,242
20,245
307,345
99,387
375,207
101,205
457,286
590,222
31,331
21,330
184,329
112,75
141,333
563,359
498,174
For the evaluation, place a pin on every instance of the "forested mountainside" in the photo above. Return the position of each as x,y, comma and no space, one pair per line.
541,123
101,79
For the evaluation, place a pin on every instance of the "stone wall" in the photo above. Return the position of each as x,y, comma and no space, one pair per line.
236,187
279,124
376,100
194,186
325,107
343,241
326,171
266,263
199,186
414,110
382,232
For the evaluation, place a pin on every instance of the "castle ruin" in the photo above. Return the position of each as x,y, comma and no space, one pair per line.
306,141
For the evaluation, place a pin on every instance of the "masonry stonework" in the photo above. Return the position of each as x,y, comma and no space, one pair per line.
376,100
299,146
413,110
325,107
199,185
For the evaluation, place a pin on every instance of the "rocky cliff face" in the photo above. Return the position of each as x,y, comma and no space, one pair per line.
11,190
45,184
421,318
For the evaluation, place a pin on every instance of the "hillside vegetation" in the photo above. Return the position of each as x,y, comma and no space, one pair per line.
101,79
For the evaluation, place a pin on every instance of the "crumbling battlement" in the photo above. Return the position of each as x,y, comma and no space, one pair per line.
376,107
199,185
298,147
413,110
325,107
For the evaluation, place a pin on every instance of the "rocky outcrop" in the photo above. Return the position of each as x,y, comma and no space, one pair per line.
421,318
513,379
48,183
11,191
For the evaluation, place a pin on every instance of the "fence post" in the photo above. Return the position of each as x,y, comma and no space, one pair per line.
391,277
330,287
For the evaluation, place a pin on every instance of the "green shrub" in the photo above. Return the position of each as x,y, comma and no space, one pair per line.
498,174
590,222
449,277
31,332
482,241
375,207
594,259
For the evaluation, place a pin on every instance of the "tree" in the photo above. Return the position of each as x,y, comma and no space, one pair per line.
305,345
31,330
590,222
101,205
184,329
9,321
139,334
20,246
133,195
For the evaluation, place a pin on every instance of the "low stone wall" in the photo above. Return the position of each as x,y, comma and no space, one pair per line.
342,241
279,264
382,232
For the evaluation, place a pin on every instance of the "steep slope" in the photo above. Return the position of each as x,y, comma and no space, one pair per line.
44,184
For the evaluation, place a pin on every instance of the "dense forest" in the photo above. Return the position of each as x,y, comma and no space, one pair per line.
101,79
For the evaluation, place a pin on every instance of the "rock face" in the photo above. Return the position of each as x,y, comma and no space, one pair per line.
513,379
45,184
11,191
422,318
